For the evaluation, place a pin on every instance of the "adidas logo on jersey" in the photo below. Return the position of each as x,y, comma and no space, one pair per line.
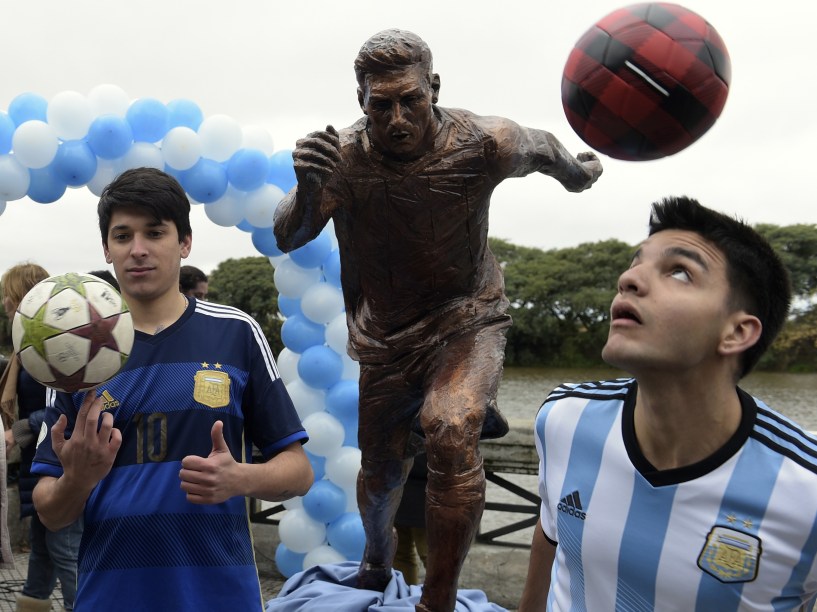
572,505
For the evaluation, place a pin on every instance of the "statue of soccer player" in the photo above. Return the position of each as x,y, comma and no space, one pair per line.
408,187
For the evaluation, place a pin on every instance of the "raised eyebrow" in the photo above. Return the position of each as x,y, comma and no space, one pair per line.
687,254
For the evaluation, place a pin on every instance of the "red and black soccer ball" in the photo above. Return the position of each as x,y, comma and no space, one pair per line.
646,81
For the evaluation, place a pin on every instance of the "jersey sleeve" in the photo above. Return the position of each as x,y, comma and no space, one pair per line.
57,403
546,515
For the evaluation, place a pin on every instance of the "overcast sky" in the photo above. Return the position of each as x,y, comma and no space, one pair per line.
288,67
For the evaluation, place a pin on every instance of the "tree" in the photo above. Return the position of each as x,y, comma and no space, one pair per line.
247,284
797,247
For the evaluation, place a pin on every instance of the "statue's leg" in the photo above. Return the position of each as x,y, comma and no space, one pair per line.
463,384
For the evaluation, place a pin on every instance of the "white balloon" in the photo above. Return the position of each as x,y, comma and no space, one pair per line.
256,137
325,432
342,467
300,533
321,303
337,334
34,144
14,179
293,502
228,210
351,499
292,280
288,365
351,368
276,260
2,207
261,205
321,555
221,136
106,171
307,400
108,99
142,155
181,148
69,113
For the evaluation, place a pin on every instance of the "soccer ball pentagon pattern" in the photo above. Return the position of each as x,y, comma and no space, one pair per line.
646,81
72,331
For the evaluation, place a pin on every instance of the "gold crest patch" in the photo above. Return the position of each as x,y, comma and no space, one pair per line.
730,555
212,388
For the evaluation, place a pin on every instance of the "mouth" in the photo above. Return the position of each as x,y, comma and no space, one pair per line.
624,312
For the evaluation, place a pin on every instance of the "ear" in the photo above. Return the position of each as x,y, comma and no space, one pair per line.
360,99
435,87
186,245
107,253
742,332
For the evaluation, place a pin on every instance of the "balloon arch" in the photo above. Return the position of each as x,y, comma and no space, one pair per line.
73,140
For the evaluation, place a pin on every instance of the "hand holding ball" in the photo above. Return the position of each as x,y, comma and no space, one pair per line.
72,332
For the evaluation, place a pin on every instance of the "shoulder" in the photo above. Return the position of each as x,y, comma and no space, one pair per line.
785,437
568,403
601,390
210,313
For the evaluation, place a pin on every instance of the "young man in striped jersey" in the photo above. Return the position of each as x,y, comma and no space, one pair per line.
675,489
159,457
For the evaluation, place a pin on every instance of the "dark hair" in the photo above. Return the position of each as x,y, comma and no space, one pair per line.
391,49
758,281
107,277
150,191
189,277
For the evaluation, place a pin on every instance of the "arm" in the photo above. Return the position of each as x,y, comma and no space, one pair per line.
86,458
304,211
218,477
537,584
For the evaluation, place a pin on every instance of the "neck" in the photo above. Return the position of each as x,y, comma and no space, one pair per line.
151,317
682,422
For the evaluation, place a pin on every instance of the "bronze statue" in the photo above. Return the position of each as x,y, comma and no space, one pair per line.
408,187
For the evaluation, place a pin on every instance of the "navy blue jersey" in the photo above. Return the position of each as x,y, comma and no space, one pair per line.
145,547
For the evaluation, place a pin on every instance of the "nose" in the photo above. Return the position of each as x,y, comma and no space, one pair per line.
139,246
631,281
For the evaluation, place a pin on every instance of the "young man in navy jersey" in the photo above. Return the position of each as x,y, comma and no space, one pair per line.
675,489
158,459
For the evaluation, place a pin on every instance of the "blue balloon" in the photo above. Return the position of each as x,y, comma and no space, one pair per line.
28,107
350,428
184,113
282,171
110,137
75,163
289,563
247,169
299,333
345,534
331,268
263,239
206,181
320,367
325,501
314,252
45,187
318,465
7,128
342,400
245,226
289,306
148,119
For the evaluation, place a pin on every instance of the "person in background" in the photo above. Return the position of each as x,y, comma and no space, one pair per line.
410,523
158,459
107,277
53,554
193,282
676,489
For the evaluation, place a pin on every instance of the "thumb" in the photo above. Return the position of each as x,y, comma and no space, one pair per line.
217,435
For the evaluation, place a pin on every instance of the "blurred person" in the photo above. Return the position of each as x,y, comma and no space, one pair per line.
107,276
193,282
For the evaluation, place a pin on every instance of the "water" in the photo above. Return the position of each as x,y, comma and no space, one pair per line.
524,389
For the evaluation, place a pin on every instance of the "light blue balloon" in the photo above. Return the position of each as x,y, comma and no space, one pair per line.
288,563
320,367
148,119
281,170
245,226
28,107
7,128
184,113
206,181
75,163
331,268
45,187
345,534
314,252
263,239
318,465
247,169
299,333
342,400
110,137
289,306
325,501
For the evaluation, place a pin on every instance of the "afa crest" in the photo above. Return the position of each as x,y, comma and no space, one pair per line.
730,555
212,388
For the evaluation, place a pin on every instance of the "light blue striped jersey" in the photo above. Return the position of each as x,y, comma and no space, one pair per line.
736,531
145,547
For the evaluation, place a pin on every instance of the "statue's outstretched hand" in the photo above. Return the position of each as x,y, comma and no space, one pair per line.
315,158
592,166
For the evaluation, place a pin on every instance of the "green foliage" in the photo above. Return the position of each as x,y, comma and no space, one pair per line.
247,284
797,247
